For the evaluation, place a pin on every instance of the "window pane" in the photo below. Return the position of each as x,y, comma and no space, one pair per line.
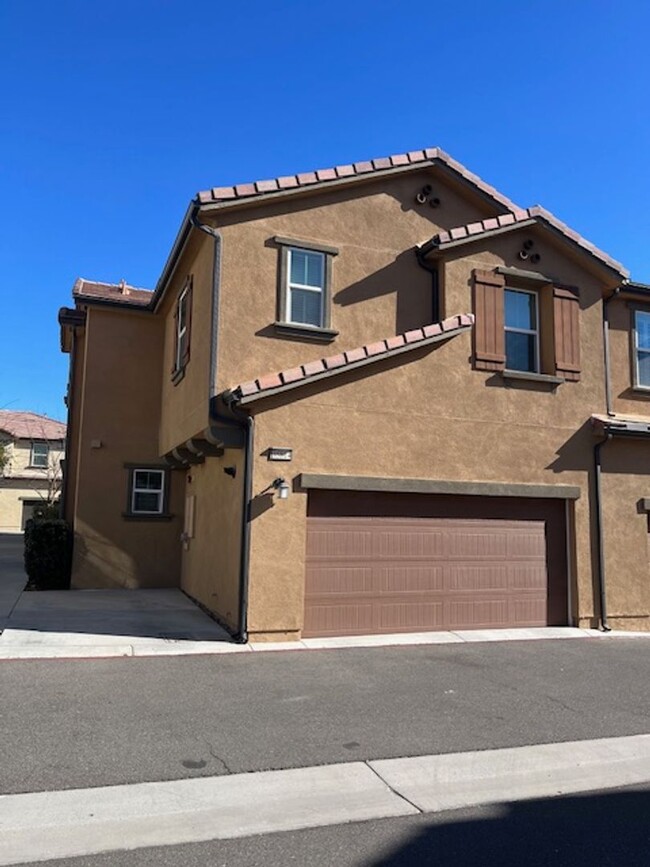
40,454
520,310
150,480
306,307
520,351
643,330
306,268
644,368
143,502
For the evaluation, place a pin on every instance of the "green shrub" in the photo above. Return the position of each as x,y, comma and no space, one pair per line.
48,553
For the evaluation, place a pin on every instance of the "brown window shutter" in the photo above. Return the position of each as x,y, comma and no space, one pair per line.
188,333
566,322
489,334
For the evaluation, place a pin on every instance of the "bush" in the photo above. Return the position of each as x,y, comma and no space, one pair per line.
46,511
48,554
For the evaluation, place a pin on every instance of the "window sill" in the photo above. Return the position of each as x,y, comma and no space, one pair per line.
523,376
305,332
178,375
641,389
130,516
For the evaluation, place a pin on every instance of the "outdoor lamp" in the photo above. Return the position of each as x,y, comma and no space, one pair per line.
282,487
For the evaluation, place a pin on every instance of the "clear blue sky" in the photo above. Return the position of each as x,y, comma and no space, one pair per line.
114,114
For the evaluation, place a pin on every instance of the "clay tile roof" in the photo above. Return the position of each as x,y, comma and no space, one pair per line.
30,425
516,219
119,293
419,158
312,371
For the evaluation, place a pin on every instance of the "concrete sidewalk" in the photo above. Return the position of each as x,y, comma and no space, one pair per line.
76,822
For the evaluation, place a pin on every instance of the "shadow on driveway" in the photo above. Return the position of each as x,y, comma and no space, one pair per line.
93,617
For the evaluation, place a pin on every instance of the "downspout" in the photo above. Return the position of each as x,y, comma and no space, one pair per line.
65,482
243,420
435,284
602,582
600,535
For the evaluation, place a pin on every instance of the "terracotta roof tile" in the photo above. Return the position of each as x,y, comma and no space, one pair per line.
20,424
512,220
363,167
120,293
313,370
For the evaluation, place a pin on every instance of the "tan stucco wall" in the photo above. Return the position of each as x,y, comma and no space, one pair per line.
120,396
432,416
428,415
184,405
378,289
210,565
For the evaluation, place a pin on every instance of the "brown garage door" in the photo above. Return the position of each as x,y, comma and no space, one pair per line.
386,563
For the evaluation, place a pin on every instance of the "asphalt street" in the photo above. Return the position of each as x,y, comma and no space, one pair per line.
610,829
70,724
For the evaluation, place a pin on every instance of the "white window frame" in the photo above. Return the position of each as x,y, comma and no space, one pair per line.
159,491
638,350
181,331
32,461
291,286
528,331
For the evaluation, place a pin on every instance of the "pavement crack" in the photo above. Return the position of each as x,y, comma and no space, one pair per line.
216,756
394,791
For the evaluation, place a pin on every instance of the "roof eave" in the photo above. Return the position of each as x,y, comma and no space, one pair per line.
234,396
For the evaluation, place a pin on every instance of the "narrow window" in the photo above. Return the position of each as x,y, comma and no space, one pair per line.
40,455
642,347
182,329
147,492
305,287
522,330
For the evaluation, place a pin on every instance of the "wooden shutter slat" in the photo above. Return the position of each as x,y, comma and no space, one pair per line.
566,333
489,334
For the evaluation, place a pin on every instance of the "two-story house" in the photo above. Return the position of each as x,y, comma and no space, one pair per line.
31,452
374,398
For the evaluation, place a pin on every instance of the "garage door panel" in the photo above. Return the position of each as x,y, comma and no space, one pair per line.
383,573
411,616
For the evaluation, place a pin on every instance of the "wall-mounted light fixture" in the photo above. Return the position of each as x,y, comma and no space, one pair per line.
282,487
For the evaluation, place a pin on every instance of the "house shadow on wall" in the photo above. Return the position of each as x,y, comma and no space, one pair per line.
609,829
619,456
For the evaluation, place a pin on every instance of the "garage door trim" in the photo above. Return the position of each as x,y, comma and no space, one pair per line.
326,482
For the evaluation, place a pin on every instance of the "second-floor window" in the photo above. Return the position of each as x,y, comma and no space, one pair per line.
642,347
40,455
304,296
183,321
305,287
521,317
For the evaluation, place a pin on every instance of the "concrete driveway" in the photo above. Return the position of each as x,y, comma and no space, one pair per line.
96,622
12,574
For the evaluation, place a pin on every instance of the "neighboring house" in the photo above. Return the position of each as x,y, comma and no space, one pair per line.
371,398
31,452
